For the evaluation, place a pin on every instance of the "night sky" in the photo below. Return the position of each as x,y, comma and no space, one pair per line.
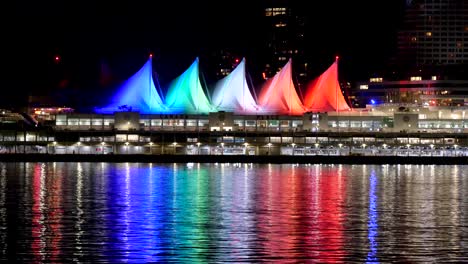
110,41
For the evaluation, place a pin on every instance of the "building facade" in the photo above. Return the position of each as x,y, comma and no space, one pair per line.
285,38
433,38
379,130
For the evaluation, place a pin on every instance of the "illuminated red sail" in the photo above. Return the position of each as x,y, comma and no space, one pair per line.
279,96
324,93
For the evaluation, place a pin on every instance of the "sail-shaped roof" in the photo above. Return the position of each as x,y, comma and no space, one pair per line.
232,92
186,95
278,95
137,93
324,93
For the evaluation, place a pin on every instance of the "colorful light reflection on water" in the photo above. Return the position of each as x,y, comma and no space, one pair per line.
198,213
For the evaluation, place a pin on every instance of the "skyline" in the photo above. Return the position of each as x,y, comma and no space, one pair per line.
119,37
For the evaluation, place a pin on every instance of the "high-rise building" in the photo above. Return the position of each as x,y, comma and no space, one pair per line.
433,38
431,60
285,30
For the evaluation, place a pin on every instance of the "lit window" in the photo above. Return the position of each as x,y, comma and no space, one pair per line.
280,25
429,34
415,78
434,78
379,79
363,86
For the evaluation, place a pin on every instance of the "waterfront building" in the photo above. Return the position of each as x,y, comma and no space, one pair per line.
375,130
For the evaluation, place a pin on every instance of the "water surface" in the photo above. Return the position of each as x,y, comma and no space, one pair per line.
198,213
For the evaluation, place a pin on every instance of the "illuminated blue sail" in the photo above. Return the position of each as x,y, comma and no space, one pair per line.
232,93
138,93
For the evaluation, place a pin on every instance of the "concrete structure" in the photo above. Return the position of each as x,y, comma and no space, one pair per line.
381,130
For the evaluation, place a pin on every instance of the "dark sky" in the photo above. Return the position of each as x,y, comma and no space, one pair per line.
120,34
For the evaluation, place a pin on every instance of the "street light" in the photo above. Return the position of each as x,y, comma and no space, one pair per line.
246,145
293,145
126,146
79,144
151,147
339,150
198,147
222,148
269,148
103,144
174,144
408,149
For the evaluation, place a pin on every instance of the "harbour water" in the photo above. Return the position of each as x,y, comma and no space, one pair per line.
73,212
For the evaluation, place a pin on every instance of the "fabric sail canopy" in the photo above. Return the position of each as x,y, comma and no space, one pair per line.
324,93
232,92
278,94
137,93
186,95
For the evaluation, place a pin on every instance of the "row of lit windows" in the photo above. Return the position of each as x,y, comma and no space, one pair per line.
29,137
275,11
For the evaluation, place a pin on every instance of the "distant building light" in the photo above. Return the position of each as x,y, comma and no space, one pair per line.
363,87
415,78
429,34
372,101
379,79
434,78
280,25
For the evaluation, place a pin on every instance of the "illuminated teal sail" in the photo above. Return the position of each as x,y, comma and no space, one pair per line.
232,92
138,93
186,95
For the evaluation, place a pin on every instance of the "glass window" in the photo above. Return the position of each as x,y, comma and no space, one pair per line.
156,122
108,121
273,123
30,137
275,139
96,122
261,123
85,122
73,121
296,123
355,124
343,123
250,123
133,138
121,137
367,124
202,122
146,122
191,122
239,122
284,123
